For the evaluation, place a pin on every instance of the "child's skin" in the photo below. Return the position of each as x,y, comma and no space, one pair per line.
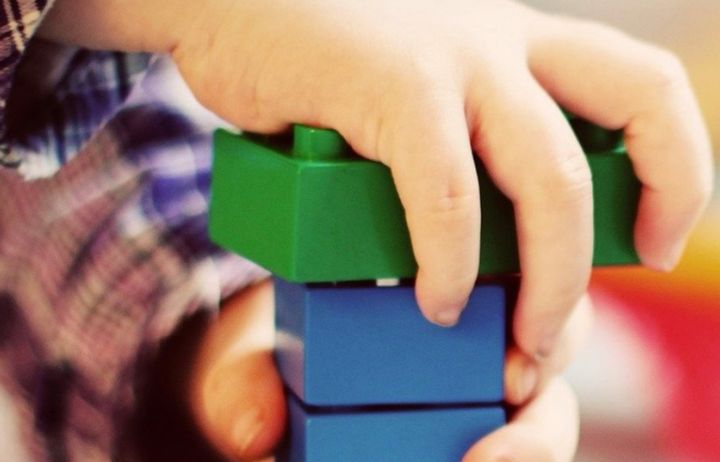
238,398
419,85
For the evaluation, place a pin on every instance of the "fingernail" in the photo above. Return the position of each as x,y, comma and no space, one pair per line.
668,261
666,264
246,430
674,257
447,318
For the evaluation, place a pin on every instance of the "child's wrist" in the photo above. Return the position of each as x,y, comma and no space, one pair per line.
133,26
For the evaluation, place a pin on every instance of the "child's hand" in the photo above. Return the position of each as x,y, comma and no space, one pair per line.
237,396
420,84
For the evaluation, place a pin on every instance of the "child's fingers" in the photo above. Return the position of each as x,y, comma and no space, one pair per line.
619,82
532,155
431,162
525,376
546,430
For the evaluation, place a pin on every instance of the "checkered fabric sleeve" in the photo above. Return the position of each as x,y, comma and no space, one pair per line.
18,21
103,241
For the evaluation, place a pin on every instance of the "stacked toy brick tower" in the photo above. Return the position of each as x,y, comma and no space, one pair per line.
368,378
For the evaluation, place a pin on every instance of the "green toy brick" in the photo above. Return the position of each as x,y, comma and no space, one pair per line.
311,210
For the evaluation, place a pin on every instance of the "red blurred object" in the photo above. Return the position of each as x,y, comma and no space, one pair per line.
683,322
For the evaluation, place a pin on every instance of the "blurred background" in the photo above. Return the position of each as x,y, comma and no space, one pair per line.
649,380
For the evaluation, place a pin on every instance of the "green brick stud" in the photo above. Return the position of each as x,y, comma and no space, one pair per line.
318,144
310,210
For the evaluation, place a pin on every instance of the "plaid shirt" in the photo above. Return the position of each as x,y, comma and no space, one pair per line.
103,245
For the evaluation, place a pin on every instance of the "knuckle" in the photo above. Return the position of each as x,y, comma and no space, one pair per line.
420,71
569,178
453,208
667,72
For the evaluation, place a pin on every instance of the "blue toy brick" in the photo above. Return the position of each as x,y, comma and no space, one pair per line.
350,346
426,435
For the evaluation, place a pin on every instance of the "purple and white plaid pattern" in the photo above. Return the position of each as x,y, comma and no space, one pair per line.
18,20
103,244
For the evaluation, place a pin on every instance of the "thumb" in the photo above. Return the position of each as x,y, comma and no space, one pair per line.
242,407
237,396
544,430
